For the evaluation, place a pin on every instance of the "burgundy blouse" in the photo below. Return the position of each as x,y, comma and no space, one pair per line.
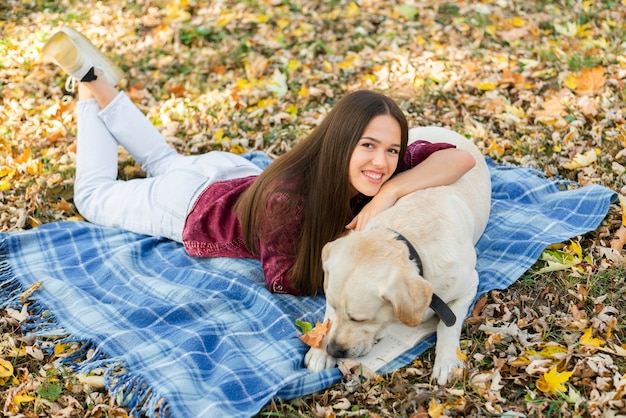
212,229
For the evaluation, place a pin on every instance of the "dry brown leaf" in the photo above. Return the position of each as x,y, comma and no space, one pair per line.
620,239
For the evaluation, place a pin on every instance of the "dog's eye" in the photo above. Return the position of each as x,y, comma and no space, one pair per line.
353,319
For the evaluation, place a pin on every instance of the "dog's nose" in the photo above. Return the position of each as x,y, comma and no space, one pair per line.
335,350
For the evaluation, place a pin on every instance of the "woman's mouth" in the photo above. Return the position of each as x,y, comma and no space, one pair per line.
373,175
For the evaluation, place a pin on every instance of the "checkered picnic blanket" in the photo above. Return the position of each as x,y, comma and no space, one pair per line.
204,336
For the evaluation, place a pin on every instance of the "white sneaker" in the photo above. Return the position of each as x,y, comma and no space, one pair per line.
77,56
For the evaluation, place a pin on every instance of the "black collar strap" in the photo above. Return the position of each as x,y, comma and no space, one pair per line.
442,310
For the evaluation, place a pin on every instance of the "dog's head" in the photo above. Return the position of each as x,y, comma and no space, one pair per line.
370,282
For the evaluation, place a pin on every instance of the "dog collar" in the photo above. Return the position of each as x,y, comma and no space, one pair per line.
442,310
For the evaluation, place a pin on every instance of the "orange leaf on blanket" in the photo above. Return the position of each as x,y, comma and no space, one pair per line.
315,337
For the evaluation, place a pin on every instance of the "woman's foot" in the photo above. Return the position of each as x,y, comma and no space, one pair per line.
77,56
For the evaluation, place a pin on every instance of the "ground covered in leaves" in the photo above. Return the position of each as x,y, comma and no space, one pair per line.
532,82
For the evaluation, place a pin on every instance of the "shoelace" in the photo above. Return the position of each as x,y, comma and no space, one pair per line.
70,84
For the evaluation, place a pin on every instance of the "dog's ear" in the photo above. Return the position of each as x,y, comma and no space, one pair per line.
410,297
325,254
326,251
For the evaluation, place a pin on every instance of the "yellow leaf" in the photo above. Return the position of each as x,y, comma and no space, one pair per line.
263,103
487,86
237,149
34,223
461,355
353,9
262,18
243,84
552,381
571,82
6,368
9,172
18,399
551,351
292,109
496,150
348,63
4,185
17,352
520,361
576,248
582,160
370,77
588,341
293,64
60,348
282,23
584,30
219,134
435,410
518,22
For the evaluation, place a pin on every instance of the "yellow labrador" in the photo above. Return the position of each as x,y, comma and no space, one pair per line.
417,255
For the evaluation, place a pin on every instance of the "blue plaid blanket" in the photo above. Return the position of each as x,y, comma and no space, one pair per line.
203,337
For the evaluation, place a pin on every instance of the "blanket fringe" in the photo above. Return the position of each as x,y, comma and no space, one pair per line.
129,391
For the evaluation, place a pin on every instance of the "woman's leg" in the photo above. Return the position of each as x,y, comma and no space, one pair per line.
104,200
156,205
131,129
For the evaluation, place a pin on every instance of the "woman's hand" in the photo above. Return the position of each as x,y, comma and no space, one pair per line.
381,201
440,168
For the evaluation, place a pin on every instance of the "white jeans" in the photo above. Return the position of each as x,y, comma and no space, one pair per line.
157,205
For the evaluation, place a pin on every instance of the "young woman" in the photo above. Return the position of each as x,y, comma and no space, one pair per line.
354,165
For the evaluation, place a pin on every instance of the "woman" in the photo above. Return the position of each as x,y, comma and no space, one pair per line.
351,167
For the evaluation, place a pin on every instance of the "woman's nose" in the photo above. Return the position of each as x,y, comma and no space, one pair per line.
379,159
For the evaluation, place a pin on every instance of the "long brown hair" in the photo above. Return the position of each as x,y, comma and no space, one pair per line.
313,177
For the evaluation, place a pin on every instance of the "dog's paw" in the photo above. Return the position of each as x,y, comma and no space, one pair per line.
318,359
446,370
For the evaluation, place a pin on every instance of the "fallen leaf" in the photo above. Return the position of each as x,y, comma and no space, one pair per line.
6,368
582,160
620,239
588,341
435,410
315,337
552,381
277,84
21,398
32,289
590,80
350,366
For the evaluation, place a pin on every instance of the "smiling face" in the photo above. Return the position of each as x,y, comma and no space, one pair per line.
375,156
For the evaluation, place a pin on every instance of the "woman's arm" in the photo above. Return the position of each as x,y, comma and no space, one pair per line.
439,169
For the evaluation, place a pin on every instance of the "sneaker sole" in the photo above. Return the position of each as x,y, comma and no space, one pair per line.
112,72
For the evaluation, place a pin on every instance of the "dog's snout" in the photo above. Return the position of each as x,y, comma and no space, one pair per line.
335,350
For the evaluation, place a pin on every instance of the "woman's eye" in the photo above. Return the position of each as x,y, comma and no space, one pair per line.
394,151
368,145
